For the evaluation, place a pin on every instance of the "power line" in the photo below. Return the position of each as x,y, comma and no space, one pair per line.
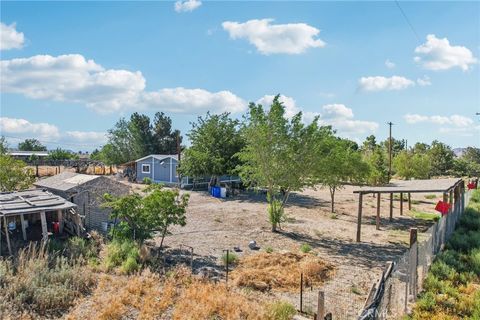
408,21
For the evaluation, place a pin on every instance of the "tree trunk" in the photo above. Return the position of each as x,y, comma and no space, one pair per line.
163,237
332,196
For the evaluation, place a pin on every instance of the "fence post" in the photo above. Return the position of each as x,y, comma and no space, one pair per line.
414,261
301,292
321,305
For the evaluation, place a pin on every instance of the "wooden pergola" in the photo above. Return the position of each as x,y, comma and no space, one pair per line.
24,203
450,188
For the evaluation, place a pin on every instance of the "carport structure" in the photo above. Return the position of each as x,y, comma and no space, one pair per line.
33,205
452,190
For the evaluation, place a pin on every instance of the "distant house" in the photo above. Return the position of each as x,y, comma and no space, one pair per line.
25,155
86,191
160,168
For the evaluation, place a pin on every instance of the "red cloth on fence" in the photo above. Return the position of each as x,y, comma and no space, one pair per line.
442,207
56,227
471,185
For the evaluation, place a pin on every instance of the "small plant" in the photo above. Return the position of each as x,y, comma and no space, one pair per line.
281,311
430,196
217,219
305,248
147,181
124,254
333,216
355,290
268,249
230,258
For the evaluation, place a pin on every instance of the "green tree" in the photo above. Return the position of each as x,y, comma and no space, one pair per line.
164,208
3,145
14,175
370,144
472,154
139,218
420,148
164,137
378,172
341,164
61,154
279,155
397,146
441,157
410,165
31,145
215,140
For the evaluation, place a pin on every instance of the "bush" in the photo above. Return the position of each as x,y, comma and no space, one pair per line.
268,249
305,248
123,254
231,258
42,284
280,311
147,181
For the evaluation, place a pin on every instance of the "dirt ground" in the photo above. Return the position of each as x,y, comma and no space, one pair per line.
214,225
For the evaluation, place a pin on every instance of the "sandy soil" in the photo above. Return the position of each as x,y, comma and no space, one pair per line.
214,225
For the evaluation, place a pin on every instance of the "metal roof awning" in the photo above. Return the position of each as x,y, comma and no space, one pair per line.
412,186
31,201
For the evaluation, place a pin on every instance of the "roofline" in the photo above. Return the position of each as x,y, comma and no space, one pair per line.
156,157
406,190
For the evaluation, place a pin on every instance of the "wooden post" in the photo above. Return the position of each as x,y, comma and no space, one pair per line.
378,212
24,232
359,221
401,203
414,263
7,235
391,206
60,220
301,292
36,170
451,200
321,305
413,236
409,201
44,226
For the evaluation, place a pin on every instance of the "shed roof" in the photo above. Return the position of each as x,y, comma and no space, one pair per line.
159,156
30,201
427,185
65,181
28,153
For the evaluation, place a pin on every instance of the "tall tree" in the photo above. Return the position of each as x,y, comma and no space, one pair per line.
472,154
61,154
279,155
141,135
3,145
369,144
441,157
14,175
215,140
31,145
377,160
164,139
397,146
341,164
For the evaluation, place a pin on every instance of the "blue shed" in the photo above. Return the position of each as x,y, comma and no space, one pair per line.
161,168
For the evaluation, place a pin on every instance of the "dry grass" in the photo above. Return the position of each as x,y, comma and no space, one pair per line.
179,295
280,271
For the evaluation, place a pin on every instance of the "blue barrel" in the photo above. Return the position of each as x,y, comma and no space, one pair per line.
216,192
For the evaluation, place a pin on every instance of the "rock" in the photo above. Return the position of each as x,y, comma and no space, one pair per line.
253,245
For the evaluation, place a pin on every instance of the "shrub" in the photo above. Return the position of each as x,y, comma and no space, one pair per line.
268,249
231,258
39,283
475,197
280,311
305,248
147,181
430,196
124,254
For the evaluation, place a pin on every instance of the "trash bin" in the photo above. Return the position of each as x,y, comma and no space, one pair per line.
223,192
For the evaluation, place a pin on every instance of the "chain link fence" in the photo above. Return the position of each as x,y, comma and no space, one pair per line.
401,282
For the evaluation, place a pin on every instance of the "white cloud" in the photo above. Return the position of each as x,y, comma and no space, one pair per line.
438,54
13,126
10,38
290,38
425,81
72,78
184,100
18,129
379,83
453,120
340,117
187,5
389,64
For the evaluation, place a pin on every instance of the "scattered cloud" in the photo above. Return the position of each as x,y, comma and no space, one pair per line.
438,54
379,83
425,81
18,129
268,38
72,78
10,38
187,5
184,100
453,120
389,64
339,116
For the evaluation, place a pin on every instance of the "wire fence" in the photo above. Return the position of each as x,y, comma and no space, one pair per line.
402,280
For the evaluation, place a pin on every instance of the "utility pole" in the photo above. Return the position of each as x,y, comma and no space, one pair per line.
390,124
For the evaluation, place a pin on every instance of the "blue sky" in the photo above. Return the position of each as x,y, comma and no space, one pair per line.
70,70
